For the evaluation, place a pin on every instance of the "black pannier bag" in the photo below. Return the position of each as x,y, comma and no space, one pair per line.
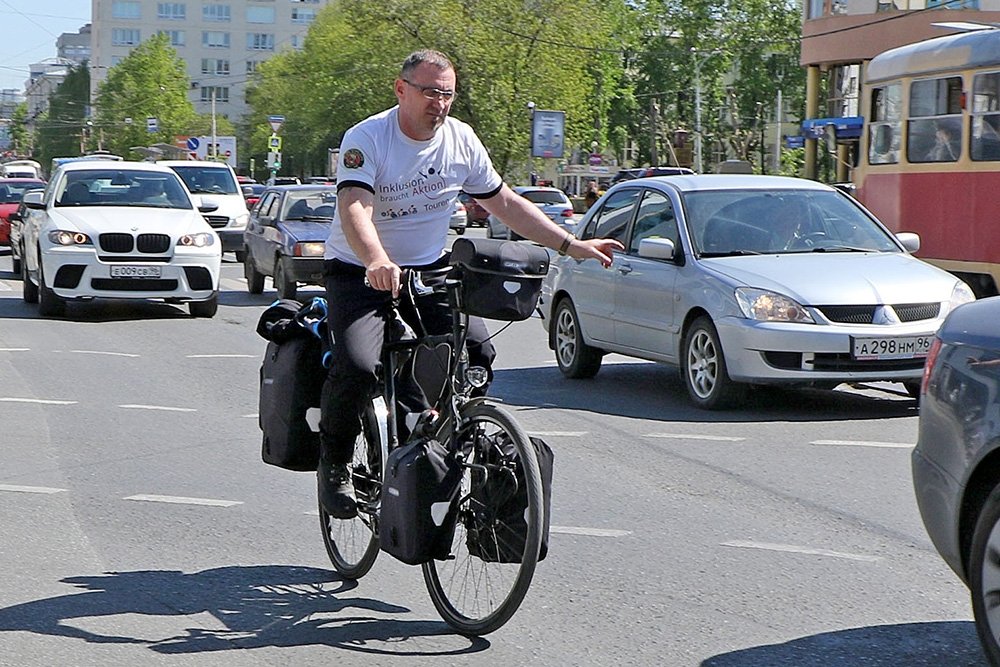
417,513
291,380
501,280
497,532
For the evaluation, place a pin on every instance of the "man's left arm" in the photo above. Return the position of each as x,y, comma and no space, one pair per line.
528,220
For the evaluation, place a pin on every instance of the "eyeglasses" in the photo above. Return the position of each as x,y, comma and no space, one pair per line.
432,93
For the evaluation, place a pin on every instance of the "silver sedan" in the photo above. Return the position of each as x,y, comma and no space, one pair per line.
743,280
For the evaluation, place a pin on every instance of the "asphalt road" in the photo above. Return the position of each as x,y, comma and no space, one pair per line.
138,525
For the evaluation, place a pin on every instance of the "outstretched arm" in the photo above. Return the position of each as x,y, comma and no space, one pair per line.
356,206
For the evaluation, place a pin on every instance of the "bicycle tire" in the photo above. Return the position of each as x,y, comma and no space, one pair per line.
474,596
352,544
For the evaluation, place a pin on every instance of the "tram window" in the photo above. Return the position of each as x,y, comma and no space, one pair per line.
936,97
985,140
934,132
884,132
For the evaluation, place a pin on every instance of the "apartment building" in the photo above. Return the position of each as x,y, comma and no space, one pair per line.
222,42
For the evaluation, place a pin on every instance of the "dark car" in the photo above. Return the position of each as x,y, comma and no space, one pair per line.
956,463
474,211
286,235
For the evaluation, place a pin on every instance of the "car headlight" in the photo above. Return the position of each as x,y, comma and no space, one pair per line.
199,240
309,249
241,220
63,237
960,293
758,304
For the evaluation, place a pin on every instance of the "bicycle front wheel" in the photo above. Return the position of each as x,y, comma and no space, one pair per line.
352,544
496,542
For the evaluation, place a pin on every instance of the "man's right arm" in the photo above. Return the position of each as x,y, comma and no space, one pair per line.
356,206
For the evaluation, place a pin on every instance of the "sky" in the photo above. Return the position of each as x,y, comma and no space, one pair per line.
29,32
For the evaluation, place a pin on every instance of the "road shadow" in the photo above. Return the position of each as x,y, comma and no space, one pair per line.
655,391
256,606
932,644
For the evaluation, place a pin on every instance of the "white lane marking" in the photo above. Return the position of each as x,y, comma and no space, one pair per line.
15,349
791,548
695,436
863,443
253,416
590,532
181,500
110,354
43,401
221,356
29,489
157,407
568,434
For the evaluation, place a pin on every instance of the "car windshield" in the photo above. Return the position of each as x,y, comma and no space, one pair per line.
745,222
208,180
122,187
310,205
11,193
544,197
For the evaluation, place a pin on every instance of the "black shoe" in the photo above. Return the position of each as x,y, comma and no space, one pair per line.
336,490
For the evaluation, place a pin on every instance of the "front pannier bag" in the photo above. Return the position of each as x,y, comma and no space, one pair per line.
501,280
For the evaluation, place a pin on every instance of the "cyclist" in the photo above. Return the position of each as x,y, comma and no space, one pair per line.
400,172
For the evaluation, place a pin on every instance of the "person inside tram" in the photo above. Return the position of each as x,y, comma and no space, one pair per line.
946,143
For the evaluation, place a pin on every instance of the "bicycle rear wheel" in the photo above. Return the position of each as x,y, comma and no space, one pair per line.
352,544
473,592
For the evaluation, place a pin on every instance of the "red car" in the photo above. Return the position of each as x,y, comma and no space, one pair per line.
11,191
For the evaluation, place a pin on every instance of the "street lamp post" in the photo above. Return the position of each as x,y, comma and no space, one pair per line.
531,140
698,62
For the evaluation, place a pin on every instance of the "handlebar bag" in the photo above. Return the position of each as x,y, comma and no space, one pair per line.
417,511
497,533
501,280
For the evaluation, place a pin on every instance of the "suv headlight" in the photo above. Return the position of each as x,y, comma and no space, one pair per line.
63,237
960,293
241,220
762,305
199,240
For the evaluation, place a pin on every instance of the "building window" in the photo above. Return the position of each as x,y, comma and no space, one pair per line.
176,36
218,66
214,39
306,2
884,134
221,93
216,13
814,9
125,37
260,14
260,41
300,15
125,9
952,4
934,131
252,66
174,11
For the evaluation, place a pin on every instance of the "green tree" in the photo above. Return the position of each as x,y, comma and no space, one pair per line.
151,82
63,129
20,138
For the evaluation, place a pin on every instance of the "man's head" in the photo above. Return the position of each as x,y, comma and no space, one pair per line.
425,90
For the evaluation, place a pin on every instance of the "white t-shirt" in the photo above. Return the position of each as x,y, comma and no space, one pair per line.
415,184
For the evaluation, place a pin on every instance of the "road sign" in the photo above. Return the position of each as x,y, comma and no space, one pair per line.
152,125
274,143
275,122
193,143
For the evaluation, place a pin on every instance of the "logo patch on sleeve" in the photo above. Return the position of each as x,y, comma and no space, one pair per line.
353,158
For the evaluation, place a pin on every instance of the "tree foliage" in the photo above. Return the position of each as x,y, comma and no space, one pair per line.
63,129
151,82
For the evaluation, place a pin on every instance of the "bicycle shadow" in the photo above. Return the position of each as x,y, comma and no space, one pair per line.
646,390
256,607
952,643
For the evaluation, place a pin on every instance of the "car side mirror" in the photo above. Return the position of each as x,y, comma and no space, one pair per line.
14,216
207,205
657,248
910,241
33,200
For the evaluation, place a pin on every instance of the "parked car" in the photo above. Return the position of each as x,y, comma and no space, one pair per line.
552,201
11,191
216,183
122,230
746,280
956,476
476,214
286,236
459,220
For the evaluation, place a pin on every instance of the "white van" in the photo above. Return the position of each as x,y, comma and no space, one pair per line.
21,169
215,182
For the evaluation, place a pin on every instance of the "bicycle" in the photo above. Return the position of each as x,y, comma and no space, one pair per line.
472,593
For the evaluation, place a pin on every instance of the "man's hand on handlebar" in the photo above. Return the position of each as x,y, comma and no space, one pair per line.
384,276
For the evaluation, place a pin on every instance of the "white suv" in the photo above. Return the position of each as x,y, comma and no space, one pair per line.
216,182
122,230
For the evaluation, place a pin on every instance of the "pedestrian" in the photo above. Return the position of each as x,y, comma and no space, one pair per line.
400,172
591,195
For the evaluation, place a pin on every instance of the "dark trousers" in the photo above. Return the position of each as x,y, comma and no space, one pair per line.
357,322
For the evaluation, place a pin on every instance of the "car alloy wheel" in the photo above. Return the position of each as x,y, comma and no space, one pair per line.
704,368
576,359
984,576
